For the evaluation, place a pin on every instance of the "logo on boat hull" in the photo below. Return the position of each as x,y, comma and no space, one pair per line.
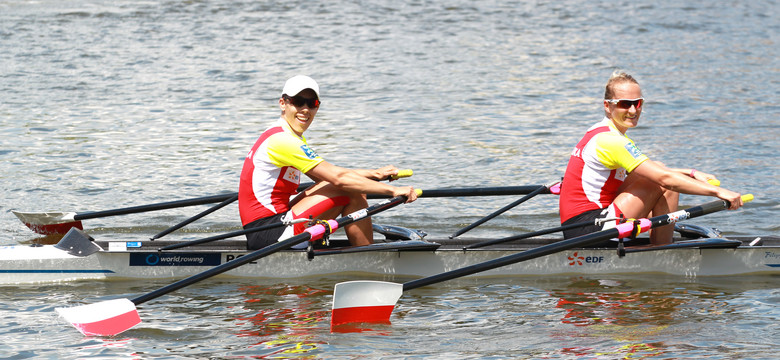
578,260
177,259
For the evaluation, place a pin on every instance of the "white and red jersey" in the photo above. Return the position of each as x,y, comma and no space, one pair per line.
597,167
272,172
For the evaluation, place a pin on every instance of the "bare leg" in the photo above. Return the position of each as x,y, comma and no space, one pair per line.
361,232
358,233
666,204
640,197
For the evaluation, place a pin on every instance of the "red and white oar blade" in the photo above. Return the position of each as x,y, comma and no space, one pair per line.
49,222
364,302
106,318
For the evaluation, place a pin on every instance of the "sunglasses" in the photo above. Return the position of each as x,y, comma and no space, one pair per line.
299,101
627,103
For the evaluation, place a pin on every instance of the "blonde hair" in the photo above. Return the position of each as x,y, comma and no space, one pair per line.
618,77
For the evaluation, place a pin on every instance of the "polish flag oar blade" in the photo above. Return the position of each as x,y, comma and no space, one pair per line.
364,302
106,318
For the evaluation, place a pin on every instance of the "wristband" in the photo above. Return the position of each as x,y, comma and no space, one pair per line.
693,171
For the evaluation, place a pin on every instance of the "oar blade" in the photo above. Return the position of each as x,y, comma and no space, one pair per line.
364,302
106,318
47,223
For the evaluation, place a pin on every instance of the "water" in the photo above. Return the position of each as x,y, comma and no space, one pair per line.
108,104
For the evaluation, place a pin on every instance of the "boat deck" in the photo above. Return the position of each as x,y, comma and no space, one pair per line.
458,244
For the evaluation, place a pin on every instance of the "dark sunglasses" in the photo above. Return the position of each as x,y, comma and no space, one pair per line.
627,103
299,101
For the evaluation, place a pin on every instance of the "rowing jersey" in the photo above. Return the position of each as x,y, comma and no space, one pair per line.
597,167
272,172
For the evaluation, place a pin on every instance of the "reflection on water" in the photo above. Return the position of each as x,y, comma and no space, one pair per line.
283,318
589,302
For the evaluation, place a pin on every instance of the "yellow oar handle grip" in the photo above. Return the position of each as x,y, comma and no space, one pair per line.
402,174
419,192
714,182
747,198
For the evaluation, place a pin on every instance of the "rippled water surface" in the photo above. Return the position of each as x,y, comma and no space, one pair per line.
108,104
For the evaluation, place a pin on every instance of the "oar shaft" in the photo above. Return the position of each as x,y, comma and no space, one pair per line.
474,191
311,233
165,205
528,235
621,231
581,241
196,217
154,207
222,236
500,211
281,245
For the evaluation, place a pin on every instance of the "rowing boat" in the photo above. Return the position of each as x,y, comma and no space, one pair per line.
405,253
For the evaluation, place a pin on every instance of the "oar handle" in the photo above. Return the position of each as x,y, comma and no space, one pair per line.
402,174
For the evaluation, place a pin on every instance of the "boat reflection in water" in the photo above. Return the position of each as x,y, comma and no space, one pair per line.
620,311
285,318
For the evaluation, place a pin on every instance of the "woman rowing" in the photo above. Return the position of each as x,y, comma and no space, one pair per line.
608,177
273,168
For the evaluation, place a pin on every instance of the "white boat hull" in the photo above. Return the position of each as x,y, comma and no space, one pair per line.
39,264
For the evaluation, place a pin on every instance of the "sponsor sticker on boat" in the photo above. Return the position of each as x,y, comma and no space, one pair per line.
177,259
117,246
123,245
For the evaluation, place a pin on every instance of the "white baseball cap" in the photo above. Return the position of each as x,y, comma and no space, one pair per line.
298,83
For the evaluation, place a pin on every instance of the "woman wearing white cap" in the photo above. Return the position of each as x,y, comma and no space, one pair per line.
272,172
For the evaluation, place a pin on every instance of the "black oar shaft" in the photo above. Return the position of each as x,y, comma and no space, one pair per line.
154,207
487,191
268,250
581,241
474,191
281,245
196,217
499,211
529,235
222,236
165,205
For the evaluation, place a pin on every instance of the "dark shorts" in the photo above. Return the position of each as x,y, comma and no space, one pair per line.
263,238
589,216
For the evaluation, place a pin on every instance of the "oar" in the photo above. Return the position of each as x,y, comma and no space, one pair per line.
502,210
475,191
597,222
506,190
112,317
532,234
302,187
231,234
373,301
196,217
58,222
